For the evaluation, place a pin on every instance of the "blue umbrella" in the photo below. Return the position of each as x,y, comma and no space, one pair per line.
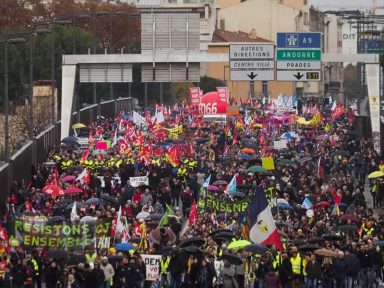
284,206
245,157
92,201
125,247
288,135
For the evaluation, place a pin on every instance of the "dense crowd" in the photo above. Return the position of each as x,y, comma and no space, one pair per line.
330,234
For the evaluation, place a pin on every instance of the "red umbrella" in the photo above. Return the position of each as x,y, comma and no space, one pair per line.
323,204
72,190
53,190
350,217
69,178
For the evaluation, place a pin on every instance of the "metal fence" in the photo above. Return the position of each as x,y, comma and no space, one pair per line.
20,166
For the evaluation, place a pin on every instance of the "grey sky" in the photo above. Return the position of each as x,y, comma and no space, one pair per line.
346,4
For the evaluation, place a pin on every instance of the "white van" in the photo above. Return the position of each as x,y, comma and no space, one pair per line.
218,118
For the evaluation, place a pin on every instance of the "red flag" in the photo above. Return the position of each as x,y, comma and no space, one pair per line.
172,156
351,115
193,214
191,151
4,236
137,229
338,111
85,155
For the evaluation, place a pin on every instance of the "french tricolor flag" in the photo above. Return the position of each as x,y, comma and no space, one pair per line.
262,226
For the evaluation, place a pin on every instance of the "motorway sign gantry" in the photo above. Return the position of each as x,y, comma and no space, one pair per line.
252,62
252,75
298,75
298,56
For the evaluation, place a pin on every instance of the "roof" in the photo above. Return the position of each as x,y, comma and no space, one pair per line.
220,35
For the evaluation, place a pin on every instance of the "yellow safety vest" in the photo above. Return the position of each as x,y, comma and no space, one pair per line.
91,258
296,264
35,267
164,265
304,267
277,261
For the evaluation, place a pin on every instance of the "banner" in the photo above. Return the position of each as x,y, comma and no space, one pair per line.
223,205
42,232
373,82
138,181
280,144
268,163
152,265
194,95
223,93
211,104
174,133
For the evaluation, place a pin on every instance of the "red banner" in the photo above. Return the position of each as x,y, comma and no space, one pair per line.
194,94
223,93
211,104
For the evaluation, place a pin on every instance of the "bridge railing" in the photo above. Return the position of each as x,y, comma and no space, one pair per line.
20,166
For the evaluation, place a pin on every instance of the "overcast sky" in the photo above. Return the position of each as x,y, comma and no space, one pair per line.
344,3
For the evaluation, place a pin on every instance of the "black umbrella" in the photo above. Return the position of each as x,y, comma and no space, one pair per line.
194,241
226,235
55,219
298,241
315,240
220,230
347,228
221,240
58,254
233,259
329,237
108,198
309,247
256,248
166,250
76,259
193,250
69,140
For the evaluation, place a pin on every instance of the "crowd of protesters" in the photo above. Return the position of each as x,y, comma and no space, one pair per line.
325,163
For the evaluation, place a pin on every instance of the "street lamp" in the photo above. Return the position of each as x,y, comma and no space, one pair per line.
6,43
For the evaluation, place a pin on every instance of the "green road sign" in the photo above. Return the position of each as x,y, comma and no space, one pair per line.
299,54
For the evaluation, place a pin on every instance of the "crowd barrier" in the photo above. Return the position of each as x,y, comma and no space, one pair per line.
20,166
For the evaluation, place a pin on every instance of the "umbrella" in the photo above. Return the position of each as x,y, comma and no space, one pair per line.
376,174
194,250
194,241
282,201
69,178
237,194
125,247
78,126
298,241
350,217
330,237
286,162
154,216
88,219
238,244
108,198
156,235
78,205
322,137
347,228
380,243
325,252
53,190
92,201
227,235
256,248
55,219
220,182
76,259
99,152
315,240
245,157
49,163
323,204
309,247
220,231
305,159
166,250
233,259
248,151
256,169
213,188
142,215
69,140
284,206
73,190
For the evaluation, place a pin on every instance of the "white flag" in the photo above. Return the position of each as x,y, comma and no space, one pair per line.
119,225
82,175
73,212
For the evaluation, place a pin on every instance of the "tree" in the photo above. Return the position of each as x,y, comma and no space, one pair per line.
208,84
351,82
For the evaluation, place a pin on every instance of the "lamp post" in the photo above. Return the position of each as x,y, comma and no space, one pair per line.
6,42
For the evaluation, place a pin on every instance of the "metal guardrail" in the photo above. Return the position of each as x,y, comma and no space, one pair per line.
21,166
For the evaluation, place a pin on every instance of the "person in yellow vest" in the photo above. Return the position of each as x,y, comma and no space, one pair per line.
367,228
182,173
164,270
296,262
90,257
36,268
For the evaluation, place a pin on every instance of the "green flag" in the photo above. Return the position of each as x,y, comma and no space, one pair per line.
164,220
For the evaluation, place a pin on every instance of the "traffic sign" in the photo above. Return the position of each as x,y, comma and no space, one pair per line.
251,51
298,75
252,75
298,55
250,64
294,65
299,40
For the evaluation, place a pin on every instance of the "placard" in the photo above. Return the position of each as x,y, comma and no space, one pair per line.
152,265
138,181
280,144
